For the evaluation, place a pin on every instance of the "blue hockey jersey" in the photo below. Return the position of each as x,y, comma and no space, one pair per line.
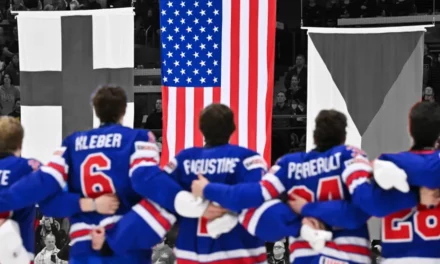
13,169
93,163
315,176
228,164
410,232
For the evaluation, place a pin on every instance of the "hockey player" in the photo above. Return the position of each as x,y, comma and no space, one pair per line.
316,176
410,232
224,163
98,162
14,168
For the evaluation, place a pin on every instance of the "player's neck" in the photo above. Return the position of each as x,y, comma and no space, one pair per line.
214,144
110,124
420,147
17,153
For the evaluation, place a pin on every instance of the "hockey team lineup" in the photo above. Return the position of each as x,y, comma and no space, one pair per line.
224,197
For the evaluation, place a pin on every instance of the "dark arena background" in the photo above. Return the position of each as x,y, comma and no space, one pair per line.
290,92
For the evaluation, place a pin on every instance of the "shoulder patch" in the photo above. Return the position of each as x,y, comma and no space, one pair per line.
171,166
151,137
255,162
34,164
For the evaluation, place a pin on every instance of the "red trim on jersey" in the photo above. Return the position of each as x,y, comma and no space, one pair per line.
430,151
156,214
357,175
270,188
245,260
353,249
139,160
58,168
5,215
80,233
87,231
247,217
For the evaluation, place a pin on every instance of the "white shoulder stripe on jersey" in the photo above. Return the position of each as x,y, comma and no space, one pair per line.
151,220
275,182
265,193
55,174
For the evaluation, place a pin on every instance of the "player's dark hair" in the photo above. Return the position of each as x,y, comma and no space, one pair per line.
109,103
217,124
11,134
330,130
424,124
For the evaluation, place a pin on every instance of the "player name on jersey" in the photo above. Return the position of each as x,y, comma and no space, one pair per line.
314,167
210,166
112,140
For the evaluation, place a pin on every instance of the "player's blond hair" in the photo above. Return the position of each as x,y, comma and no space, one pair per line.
11,134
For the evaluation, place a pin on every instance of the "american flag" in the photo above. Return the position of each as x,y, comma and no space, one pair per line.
217,51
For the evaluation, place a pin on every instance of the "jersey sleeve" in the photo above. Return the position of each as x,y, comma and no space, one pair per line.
421,171
272,221
39,185
249,194
337,213
146,176
26,225
252,168
63,204
369,196
140,229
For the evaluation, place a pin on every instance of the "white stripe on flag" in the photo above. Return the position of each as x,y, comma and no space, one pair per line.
44,54
226,53
207,96
189,117
43,131
112,38
171,124
244,74
324,94
262,76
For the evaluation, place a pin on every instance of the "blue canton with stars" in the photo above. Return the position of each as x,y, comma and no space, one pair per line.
191,42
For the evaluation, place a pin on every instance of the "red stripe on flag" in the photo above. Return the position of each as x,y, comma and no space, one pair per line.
271,28
253,75
165,149
156,214
180,118
198,106
235,66
216,95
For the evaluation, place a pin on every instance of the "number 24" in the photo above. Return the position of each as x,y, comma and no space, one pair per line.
329,188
